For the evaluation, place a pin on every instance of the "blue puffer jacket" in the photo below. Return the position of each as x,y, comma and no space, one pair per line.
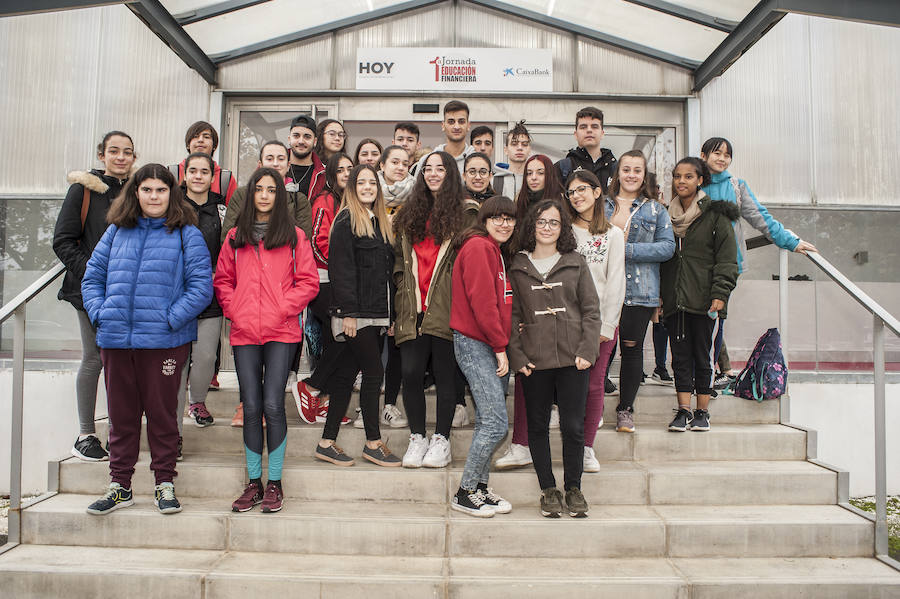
725,187
649,241
144,286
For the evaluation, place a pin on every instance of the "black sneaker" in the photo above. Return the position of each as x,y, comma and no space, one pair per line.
500,505
609,388
89,449
575,502
701,421
551,503
723,381
661,375
471,503
116,497
178,456
682,420
165,500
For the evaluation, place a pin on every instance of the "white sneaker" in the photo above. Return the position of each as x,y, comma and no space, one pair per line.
291,381
554,417
460,416
358,423
418,446
391,416
515,457
590,460
438,454
600,424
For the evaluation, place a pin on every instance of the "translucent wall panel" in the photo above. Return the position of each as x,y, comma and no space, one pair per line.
305,65
71,76
605,69
733,10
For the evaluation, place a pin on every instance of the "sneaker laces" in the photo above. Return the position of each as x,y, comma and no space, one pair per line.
167,492
113,491
250,492
200,410
489,494
477,498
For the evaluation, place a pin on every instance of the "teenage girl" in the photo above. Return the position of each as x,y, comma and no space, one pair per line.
309,394
480,319
425,227
264,279
648,242
368,152
477,176
361,258
695,285
208,206
80,225
555,337
603,248
331,139
145,283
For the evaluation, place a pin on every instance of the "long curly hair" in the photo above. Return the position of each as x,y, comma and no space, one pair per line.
437,214
566,242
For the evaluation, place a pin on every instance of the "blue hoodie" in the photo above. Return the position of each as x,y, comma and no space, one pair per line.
724,187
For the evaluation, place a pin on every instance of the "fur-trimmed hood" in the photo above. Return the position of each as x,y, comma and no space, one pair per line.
90,179
723,207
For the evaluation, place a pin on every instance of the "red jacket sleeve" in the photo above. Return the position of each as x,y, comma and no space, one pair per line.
322,217
224,278
306,277
479,274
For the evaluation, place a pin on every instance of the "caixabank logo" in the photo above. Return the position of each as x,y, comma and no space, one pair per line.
450,69
525,72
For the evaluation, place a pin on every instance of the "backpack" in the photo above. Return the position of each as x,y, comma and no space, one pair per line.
765,375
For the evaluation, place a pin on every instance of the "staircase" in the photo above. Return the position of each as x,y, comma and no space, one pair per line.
735,512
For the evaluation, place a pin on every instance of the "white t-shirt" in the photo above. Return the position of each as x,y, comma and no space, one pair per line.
605,256
544,265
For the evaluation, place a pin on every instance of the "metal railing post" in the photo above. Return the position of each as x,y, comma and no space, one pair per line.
881,529
15,427
785,402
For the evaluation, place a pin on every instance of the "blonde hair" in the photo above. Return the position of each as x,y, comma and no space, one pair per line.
360,223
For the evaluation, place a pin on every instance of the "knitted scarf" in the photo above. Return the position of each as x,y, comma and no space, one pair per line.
681,218
396,193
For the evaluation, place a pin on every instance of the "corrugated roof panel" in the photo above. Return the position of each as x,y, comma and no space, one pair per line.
732,10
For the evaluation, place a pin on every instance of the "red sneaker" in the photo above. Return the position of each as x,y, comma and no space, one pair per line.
238,419
322,414
252,495
307,404
214,383
273,499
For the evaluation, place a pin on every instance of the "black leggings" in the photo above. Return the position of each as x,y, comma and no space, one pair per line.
392,372
414,359
632,330
331,350
362,352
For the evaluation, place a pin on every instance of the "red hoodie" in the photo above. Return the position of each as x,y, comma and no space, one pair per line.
264,291
481,306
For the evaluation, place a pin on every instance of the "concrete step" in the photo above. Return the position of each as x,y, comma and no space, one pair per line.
722,442
31,572
654,405
619,483
367,528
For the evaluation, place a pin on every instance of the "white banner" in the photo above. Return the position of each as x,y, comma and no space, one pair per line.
455,69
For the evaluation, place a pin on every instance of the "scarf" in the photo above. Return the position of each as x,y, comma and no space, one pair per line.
259,231
481,196
681,219
396,193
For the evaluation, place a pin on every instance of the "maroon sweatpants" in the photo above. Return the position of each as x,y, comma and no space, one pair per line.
138,382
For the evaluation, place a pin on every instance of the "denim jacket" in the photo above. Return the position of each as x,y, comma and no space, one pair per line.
649,241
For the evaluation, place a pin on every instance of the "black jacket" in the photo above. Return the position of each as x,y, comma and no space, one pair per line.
604,167
209,217
359,269
72,243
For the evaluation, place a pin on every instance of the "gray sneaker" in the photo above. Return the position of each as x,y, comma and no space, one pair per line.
380,455
551,503
578,507
625,421
333,454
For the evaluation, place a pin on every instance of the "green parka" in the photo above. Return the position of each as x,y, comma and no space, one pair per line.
704,266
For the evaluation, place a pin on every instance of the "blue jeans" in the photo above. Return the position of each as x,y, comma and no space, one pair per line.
479,365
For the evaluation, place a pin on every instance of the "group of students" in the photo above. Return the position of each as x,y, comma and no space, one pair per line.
419,271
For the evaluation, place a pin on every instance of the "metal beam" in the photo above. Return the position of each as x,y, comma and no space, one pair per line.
329,27
164,25
9,8
876,12
695,16
757,22
214,10
587,32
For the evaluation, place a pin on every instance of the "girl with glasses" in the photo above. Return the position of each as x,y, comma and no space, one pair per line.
477,177
331,139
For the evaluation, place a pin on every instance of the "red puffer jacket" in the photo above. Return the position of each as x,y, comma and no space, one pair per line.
264,291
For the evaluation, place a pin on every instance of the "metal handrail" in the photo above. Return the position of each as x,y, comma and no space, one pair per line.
881,318
16,310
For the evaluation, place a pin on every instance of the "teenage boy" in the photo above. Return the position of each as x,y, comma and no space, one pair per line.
406,135
306,169
202,137
589,155
509,177
455,127
482,139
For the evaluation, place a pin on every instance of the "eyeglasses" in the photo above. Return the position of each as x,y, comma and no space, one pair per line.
578,190
498,221
481,172
336,134
543,223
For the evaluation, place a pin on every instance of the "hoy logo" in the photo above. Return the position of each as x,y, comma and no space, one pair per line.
376,68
